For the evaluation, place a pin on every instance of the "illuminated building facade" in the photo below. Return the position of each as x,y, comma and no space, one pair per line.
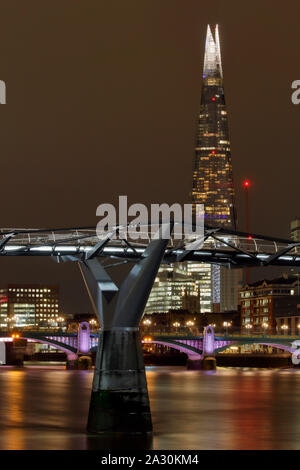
272,305
212,173
29,306
213,187
174,289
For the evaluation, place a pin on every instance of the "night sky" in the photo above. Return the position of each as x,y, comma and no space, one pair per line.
102,100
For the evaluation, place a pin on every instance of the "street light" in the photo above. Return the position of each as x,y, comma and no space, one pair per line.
249,327
226,325
265,327
147,322
176,324
284,327
93,323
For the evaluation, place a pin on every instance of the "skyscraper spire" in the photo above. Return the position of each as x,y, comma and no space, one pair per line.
212,176
212,58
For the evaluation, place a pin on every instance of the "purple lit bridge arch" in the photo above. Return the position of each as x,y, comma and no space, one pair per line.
196,348
72,344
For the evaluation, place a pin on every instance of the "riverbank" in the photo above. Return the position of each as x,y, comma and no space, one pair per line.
225,360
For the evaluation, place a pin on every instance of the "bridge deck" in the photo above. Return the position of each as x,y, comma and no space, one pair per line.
218,245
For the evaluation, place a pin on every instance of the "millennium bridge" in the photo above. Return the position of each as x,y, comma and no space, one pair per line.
119,400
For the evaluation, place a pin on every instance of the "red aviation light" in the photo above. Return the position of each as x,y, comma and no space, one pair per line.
246,183
213,152
213,98
249,237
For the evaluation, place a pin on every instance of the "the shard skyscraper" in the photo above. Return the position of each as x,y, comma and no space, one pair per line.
212,175
216,288
212,172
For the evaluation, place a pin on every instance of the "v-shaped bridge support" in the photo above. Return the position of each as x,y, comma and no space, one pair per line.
119,400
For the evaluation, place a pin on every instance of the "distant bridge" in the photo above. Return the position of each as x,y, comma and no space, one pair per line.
195,347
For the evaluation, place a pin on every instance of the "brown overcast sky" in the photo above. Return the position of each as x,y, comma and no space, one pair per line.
102,100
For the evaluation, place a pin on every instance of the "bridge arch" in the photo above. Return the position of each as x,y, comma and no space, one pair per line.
192,352
283,347
69,350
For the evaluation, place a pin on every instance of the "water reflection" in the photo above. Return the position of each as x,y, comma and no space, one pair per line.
44,408
121,442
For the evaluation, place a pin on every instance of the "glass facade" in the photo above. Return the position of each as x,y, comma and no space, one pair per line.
212,172
174,288
213,187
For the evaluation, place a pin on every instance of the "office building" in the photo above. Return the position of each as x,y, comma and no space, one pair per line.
29,306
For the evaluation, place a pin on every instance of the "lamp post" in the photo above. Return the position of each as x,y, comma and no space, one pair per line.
189,324
249,327
176,325
93,323
284,328
226,325
265,327
147,322
60,321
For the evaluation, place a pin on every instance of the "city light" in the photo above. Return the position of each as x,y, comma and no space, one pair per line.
147,322
15,335
147,339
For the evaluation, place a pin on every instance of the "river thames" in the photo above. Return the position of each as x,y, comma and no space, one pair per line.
232,408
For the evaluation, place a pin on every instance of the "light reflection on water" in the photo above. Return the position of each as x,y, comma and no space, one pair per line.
232,408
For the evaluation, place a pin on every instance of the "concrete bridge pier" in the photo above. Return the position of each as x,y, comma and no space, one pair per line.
209,360
15,352
119,400
206,361
194,363
84,360
72,361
